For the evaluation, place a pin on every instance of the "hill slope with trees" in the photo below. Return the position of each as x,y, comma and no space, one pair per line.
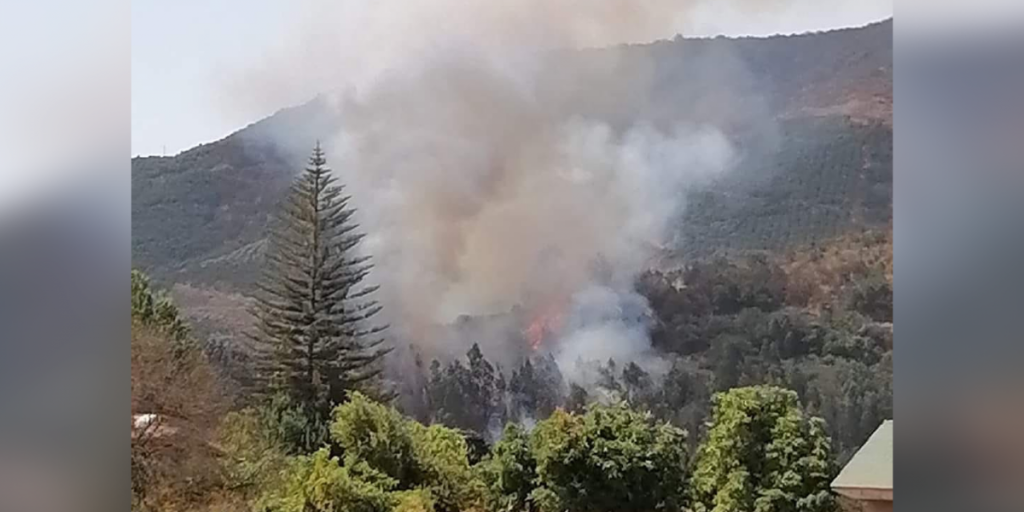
773,304
199,216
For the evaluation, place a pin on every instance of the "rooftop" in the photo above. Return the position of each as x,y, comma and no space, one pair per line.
868,475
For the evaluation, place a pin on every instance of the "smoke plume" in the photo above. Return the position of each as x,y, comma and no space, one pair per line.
500,170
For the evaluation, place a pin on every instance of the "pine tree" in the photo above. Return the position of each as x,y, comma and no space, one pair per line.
313,336
467,396
536,389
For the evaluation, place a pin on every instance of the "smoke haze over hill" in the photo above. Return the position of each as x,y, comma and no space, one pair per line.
492,169
513,190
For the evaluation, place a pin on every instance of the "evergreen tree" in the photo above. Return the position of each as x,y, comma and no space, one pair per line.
608,380
487,390
637,386
536,388
313,336
578,399
467,396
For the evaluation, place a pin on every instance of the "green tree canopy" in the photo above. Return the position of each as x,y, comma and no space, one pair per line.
318,483
467,396
763,454
611,458
434,458
511,472
155,310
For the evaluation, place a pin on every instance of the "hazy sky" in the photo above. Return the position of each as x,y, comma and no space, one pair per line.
184,53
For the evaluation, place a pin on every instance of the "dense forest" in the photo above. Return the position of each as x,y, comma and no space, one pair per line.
818,322
760,448
270,383
199,216
832,176
776,367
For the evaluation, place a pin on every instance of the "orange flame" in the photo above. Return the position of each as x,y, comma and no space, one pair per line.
547,322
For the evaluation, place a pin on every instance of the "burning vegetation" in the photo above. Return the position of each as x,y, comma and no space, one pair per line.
546,324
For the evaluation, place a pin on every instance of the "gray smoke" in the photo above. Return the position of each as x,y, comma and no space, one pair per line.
479,198
501,171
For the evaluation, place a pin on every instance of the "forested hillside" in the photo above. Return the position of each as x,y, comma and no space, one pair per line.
817,321
477,436
831,176
740,364
195,215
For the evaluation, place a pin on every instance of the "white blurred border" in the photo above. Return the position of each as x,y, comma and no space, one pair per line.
955,16
64,95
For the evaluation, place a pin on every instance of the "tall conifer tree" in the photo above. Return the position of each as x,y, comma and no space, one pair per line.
313,333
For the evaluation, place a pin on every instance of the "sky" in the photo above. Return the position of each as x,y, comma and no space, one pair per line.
186,53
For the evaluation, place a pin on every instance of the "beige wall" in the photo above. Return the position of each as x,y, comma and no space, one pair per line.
854,505
877,506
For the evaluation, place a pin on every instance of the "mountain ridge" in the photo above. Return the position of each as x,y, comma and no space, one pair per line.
196,213
883,27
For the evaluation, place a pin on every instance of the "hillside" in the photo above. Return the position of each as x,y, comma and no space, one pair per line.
831,92
198,217
807,122
831,176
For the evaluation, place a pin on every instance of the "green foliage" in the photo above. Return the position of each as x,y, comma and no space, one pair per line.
433,458
763,454
318,483
510,472
536,388
720,324
418,500
466,396
155,310
788,341
443,458
853,397
610,458
202,216
296,427
252,456
832,175
872,297
311,316
379,436
390,463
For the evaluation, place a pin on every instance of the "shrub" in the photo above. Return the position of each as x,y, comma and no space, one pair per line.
609,459
510,472
762,454
251,458
318,483
434,458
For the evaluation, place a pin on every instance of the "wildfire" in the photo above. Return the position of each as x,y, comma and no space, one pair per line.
547,321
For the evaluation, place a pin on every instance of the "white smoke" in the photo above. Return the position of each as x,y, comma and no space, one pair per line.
497,167
606,324
477,209
342,44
